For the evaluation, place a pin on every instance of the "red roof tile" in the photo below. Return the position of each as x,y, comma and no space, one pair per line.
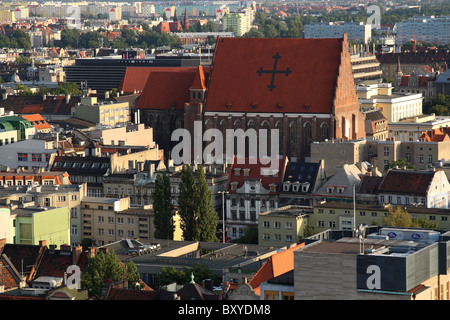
255,172
240,75
406,182
166,89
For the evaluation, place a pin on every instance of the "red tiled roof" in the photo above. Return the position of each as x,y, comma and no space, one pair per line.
435,135
37,121
406,182
255,173
276,265
309,87
165,89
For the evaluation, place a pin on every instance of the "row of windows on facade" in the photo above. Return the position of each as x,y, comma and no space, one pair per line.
83,165
6,141
277,225
277,237
293,136
375,214
35,157
10,182
234,202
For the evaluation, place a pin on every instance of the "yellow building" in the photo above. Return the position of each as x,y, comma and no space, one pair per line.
394,106
7,16
341,216
283,226
108,220
105,113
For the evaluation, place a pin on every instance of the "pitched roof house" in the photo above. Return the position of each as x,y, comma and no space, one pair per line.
428,188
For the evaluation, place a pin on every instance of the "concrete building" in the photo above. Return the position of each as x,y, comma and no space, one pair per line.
27,154
421,154
412,128
32,224
394,106
49,196
282,227
237,23
365,67
333,265
108,220
356,31
107,113
431,29
129,135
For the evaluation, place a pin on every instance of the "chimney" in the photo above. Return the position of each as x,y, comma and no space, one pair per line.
103,250
208,284
42,243
2,244
76,254
92,251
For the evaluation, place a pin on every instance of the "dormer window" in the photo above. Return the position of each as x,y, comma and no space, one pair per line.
234,186
295,186
237,171
330,189
305,187
246,172
273,187
340,189
286,186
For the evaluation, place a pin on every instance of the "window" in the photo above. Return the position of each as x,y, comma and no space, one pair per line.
386,151
22,156
101,219
120,233
110,220
320,223
421,158
408,157
266,224
430,158
288,225
61,198
130,221
36,157
277,237
277,225
288,238
331,224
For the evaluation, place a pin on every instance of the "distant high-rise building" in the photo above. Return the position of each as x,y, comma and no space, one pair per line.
356,31
424,29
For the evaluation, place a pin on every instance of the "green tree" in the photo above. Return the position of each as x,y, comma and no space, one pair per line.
398,217
171,275
66,88
206,215
163,208
70,38
186,203
399,163
103,268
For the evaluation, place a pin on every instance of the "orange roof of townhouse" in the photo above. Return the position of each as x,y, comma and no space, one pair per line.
275,266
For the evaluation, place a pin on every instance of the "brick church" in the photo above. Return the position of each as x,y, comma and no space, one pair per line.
302,87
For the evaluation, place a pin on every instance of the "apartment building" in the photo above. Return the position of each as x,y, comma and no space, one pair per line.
283,226
107,112
46,196
420,154
108,220
394,106
424,29
386,264
356,31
